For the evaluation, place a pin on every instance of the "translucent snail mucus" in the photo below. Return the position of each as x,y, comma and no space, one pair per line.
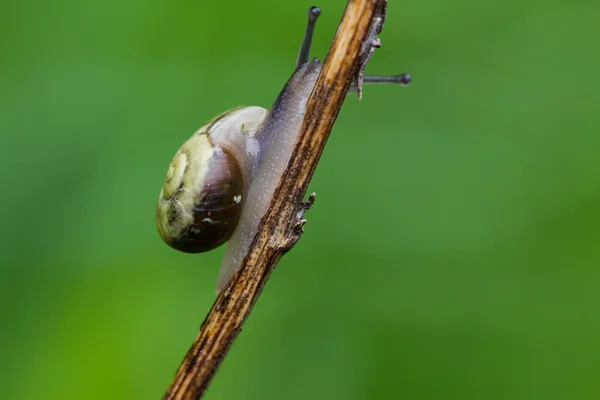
220,182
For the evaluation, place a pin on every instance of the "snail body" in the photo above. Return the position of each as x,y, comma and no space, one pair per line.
221,181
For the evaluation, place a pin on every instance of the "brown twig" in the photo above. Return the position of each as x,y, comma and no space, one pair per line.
281,227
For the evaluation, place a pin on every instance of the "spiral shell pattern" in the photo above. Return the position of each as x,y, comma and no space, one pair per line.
201,200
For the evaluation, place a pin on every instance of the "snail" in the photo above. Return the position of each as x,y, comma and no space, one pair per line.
221,181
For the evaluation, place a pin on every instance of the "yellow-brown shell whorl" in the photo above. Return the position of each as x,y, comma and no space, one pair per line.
201,200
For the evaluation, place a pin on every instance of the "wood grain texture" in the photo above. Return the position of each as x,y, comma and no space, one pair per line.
281,227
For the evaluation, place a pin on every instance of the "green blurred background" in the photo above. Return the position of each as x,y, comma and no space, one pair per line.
453,252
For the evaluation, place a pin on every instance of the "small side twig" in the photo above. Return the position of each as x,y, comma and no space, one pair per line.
282,225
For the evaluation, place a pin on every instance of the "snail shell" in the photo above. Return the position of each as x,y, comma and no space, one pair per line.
200,202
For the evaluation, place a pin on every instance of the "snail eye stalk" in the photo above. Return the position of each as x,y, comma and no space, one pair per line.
304,54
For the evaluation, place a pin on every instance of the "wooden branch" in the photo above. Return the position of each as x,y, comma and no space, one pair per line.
281,227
